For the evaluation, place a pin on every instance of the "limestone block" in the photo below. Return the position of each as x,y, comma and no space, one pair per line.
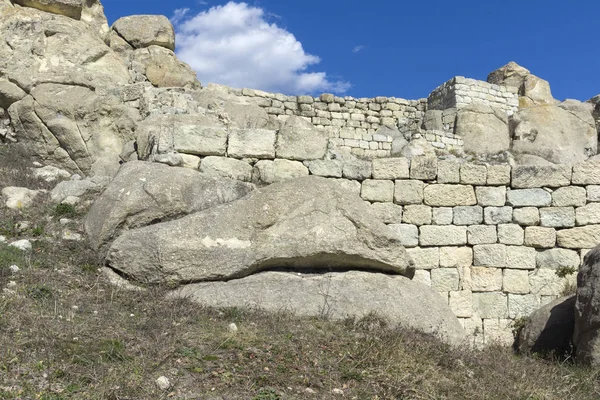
497,215
442,216
520,257
515,281
511,234
474,328
485,279
473,174
251,143
423,277
588,215
498,175
267,171
557,217
586,173
468,215
593,192
570,196
522,305
226,168
448,171
425,258
417,214
461,303
443,195
558,258
540,237
456,257
409,234
423,168
357,169
391,168
528,198
526,216
481,234
408,192
545,282
489,255
442,235
491,196
326,168
388,213
583,237
444,279
498,331
537,176
377,190
189,161
490,305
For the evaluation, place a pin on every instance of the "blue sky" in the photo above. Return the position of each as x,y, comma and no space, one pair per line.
380,48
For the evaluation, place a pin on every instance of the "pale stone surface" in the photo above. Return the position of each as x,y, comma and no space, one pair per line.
18,198
481,234
226,168
474,328
448,171
484,129
389,213
326,168
528,198
515,281
522,305
146,30
423,277
377,190
267,171
545,282
473,174
498,175
444,279
540,237
442,216
526,216
351,186
164,69
417,215
511,234
588,214
444,195
498,331
520,257
536,176
442,235
357,169
557,258
456,257
298,139
570,196
583,237
461,303
391,168
491,196
486,279
593,192
587,318
468,215
425,258
251,143
586,173
408,192
557,217
489,255
190,161
490,305
497,215
423,168
409,234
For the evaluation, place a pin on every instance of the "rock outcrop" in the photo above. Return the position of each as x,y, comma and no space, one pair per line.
141,31
587,310
532,89
483,129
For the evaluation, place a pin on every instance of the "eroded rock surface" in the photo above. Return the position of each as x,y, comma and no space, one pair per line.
587,310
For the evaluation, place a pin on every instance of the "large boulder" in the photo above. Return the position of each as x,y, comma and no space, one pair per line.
549,330
484,129
336,295
308,224
587,310
532,89
163,69
141,31
298,139
562,134
143,193
511,74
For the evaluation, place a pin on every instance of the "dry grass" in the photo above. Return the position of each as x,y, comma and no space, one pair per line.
65,333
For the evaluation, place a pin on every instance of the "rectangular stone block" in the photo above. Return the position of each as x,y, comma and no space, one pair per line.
442,235
570,196
490,305
408,192
489,255
448,171
442,216
417,214
528,198
557,217
497,215
515,281
456,257
200,140
486,279
498,331
540,237
473,174
391,168
388,213
445,279
582,237
251,143
498,175
326,168
588,215
468,215
522,305
481,234
558,258
537,176
409,234
586,173
443,195
593,192
357,170
521,257
491,196
377,190
423,277
424,168
461,303
545,282
526,216
511,234
425,258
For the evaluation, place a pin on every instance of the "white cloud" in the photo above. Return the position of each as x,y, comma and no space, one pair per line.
235,45
179,15
356,49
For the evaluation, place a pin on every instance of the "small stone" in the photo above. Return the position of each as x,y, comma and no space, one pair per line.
232,327
23,245
337,391
14,269
3,239
163,383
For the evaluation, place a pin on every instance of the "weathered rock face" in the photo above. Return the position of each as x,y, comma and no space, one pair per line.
587,306
563,134
483,129
141,31
336,295
308,223
512,74
298,139
532,89
143,193
163,69
550,329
